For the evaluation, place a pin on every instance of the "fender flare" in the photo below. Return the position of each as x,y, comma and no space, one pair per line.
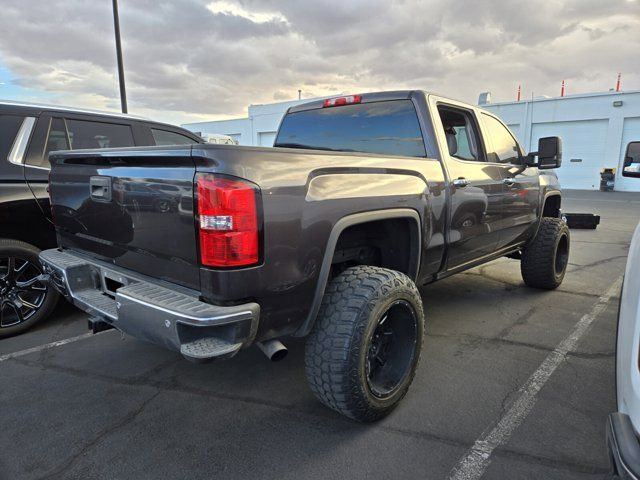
338,228
553,193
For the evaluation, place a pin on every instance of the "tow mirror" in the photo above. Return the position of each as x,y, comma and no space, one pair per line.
632,160
549,154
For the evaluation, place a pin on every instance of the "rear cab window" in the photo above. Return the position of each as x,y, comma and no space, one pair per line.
387,128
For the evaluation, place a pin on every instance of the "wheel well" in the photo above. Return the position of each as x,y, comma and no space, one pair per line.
30,227
391,243
552,206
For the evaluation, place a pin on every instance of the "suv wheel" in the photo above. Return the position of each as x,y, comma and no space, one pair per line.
363,352
24,298
544,260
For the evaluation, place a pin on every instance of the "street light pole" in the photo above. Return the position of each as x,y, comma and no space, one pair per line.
116,25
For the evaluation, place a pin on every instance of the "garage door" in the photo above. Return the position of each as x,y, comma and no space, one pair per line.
583,145
630,133
266,139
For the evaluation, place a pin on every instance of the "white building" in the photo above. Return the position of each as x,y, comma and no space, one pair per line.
259,128
595,130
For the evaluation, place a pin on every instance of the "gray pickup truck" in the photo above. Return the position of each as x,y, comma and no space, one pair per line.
324,236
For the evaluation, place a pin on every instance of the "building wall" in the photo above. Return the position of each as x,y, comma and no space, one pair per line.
238,129
258,128
594,133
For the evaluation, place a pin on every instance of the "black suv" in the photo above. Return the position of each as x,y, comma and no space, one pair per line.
28,133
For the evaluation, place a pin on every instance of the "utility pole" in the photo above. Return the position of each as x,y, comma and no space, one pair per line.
116,25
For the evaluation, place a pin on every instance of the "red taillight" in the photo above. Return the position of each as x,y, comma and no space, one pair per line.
336,102
228,221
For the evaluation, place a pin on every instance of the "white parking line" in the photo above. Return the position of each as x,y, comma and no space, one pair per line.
47,346
473,465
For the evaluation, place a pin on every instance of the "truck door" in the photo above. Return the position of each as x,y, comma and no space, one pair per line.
521,185
475,186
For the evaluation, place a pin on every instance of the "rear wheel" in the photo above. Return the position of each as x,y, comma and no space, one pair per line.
25,298
363,352
544,260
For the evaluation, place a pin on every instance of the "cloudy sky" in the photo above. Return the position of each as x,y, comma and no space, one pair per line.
189,60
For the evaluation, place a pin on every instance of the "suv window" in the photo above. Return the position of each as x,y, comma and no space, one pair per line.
85,134
165,137
632,158
9,127
56,140
461,133
388,128
504,146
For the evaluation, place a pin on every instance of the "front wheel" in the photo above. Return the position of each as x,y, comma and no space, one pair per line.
544,260
363,352
25,298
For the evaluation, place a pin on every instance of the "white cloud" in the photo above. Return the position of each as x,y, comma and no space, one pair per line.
191,60
230,8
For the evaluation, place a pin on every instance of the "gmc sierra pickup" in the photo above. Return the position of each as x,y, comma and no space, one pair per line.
325,236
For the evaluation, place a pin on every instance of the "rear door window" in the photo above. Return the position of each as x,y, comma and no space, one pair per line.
388,128
9,127
165,138
56,140
461,133
85,134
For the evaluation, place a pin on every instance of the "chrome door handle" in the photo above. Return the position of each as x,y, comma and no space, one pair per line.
509,182
461,182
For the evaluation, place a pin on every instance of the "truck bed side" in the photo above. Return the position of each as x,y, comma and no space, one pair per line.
313,205
308,198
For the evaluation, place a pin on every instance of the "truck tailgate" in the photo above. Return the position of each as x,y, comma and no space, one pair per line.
130,207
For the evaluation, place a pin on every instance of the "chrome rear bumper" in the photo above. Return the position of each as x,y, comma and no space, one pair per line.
171,317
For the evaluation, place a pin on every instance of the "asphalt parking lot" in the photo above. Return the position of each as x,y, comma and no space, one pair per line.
114,408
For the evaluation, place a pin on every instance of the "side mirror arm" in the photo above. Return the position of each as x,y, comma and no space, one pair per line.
530,159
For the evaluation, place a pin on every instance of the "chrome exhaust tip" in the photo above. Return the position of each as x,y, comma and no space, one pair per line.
273,349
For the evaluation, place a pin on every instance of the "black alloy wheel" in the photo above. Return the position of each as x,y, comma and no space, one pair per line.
562,255
392,348
22,291
25,296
